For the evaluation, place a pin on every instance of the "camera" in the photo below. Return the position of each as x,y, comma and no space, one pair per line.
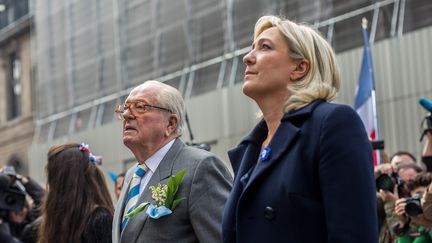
425,126
387,182
12,198
377,145
413,205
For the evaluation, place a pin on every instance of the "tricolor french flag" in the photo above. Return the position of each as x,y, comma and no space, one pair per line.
365,94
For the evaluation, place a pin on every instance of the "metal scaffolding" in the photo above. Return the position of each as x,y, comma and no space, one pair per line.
91,53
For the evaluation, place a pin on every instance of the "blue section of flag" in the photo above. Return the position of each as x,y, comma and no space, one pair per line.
366,79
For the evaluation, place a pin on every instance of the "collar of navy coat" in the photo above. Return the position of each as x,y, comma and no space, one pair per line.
245,155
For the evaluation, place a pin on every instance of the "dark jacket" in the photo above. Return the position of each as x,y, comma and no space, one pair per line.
317,184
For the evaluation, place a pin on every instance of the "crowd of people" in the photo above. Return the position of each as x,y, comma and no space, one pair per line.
304,174
404,196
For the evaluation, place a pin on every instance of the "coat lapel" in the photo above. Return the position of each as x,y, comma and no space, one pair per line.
284,137
244,156
288,132
163,171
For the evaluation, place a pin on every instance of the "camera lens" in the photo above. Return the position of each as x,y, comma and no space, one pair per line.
413,207
10,199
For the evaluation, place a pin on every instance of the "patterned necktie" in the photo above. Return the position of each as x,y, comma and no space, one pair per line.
133,194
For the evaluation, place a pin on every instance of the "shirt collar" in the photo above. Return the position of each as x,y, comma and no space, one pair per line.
154,160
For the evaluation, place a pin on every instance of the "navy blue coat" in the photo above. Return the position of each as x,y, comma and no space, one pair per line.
317,184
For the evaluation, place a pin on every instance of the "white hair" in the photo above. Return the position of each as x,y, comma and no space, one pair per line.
170,98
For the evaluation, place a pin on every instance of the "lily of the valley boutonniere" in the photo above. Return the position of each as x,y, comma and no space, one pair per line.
164,198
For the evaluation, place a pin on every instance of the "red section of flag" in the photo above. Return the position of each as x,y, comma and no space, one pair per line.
372,137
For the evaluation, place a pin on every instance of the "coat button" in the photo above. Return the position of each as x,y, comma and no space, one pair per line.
269,213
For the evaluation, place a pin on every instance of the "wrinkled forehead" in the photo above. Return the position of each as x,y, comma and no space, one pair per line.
144,92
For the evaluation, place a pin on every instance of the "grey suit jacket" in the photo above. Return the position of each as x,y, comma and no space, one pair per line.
205,185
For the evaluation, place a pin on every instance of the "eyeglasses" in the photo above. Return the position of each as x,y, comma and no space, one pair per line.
136,107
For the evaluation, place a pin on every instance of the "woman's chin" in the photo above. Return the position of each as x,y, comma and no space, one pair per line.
251,90
247,88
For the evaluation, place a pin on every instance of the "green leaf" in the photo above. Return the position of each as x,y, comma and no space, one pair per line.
179,177
170,193
138,209
173,186
177,202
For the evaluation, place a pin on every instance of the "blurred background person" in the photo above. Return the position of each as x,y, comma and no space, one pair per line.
412,225
408,171
33,193
118,182
427,150
391,180
78,207
385,205
402,157
427,159
305,172
118,185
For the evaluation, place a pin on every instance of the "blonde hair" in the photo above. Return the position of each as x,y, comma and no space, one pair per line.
322,81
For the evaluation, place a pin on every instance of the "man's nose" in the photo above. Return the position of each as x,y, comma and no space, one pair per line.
127,114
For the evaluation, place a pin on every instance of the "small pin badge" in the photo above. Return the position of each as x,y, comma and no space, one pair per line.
265,153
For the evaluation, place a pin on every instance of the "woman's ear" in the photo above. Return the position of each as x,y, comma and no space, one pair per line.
300,70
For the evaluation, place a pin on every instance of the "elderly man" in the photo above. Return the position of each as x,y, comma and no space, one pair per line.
153,120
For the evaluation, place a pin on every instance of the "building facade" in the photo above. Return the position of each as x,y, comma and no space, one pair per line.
16,100
91,53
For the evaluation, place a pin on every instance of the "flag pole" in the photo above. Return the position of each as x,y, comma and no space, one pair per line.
374,106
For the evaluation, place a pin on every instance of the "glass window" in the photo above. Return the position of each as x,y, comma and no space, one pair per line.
348,33
175,82
11,10
205,79
108,114
62,127
228,68
82,120
14,87
417,14
241,67
44,132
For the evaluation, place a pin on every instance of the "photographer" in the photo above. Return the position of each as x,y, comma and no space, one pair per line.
18,218
412,225
11,200
385,202
402,157
390,182
427,159
5,236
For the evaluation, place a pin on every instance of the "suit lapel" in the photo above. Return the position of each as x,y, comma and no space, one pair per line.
164,170
118,214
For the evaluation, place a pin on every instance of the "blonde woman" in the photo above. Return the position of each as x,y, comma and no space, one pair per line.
305,172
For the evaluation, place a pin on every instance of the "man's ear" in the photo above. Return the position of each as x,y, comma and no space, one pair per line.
300,70
173,122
